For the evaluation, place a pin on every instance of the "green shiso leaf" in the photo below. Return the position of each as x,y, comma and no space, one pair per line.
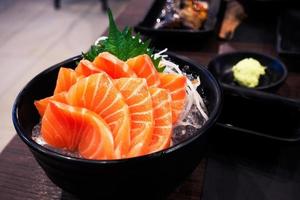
122,44
93,52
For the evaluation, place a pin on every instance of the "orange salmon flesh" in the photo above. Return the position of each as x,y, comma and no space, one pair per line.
112,109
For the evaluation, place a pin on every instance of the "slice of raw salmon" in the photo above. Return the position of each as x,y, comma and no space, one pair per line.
143,67
65,79
97,93
136,95
77,129
86,68
113,66
42,104
176,84
162,133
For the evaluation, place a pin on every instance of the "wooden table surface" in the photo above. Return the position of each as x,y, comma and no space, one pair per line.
22,178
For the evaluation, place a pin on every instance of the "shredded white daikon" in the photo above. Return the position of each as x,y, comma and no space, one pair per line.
194,97
100,39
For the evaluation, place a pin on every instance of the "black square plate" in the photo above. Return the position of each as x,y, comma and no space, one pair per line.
264,115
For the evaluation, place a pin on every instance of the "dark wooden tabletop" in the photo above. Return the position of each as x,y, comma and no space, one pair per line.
22,178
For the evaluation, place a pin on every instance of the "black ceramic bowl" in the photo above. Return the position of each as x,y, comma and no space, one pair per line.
221,66
150,175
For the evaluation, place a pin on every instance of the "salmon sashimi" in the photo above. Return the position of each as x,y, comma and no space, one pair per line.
98,94
86,68
143,66
176,84
136,95
42,104
162,112
65,79
113,66
77,129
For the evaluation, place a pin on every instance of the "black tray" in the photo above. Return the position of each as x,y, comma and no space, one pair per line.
146,26
288,32
252,171
261,115
241,165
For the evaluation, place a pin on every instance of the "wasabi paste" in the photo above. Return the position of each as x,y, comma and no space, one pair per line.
247,72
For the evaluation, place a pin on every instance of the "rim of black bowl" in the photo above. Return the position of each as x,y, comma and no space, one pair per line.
272,85
213,116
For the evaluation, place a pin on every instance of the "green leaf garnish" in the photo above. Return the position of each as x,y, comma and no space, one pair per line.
93,52
122,44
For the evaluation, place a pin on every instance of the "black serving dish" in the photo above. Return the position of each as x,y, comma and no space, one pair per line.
260,114
145,177
276,72
288,32
146,27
